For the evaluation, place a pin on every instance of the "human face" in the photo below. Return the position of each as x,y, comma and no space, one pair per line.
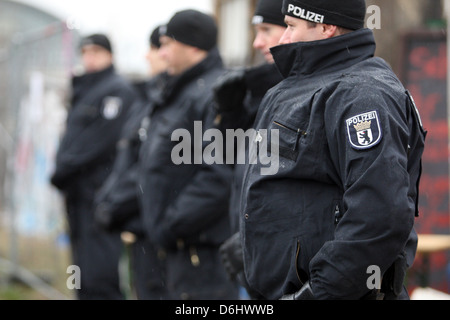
298,30
95,58
267,36
177,55
156,64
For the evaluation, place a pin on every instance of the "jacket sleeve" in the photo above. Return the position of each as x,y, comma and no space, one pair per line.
117,201
94,142
201,205
378,206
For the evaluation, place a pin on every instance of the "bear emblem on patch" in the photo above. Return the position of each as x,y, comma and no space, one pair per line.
364,130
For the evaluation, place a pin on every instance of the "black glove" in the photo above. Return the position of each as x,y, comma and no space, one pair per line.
232,256
393,279
230,91
59,180
103,217
305,293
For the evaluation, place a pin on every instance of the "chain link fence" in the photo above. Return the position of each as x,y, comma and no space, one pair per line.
34,70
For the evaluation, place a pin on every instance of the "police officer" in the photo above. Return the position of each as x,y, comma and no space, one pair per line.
117,202
185,202
100,101
238,95
342,202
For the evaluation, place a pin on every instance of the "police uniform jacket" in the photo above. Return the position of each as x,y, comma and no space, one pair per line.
258,81
117,201
99,106
344,195
184,204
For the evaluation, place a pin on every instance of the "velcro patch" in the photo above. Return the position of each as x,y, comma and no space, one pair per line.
364,130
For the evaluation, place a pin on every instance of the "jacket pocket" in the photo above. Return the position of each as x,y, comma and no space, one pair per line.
289,137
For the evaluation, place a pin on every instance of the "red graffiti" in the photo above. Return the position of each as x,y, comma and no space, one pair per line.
437,140
428,64
426,79
426,103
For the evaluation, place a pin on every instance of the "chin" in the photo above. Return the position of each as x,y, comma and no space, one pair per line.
269,59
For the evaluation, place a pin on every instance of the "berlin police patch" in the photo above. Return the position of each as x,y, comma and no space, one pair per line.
364,130
112,107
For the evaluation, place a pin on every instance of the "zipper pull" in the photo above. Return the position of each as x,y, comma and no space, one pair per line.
337,215
259,137
145,124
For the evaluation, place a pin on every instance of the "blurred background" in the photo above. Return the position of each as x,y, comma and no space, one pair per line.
38,42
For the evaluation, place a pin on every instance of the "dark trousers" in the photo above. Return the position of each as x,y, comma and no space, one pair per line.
197,273
96,252
148,271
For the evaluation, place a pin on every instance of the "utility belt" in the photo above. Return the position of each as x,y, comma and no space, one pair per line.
193,253
194,250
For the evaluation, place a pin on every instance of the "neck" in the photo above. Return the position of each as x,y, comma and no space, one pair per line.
198,57
192,59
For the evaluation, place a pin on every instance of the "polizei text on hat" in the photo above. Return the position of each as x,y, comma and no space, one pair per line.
305,14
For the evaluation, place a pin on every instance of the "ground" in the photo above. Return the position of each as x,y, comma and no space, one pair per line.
42,256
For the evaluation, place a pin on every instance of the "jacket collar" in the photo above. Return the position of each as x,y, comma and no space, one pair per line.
174,84
94,76
261,78
88,81
303,58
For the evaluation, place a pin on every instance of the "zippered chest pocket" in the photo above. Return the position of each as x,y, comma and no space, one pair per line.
289,138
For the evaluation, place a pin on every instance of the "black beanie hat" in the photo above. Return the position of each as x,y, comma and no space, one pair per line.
154,37
193,28
97,39
269,11
349,14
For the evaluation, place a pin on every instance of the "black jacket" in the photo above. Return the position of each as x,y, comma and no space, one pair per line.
99,106
344,194
184,203
117,202
257,81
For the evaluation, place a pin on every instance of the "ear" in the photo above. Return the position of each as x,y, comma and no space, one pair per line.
329,31
197,52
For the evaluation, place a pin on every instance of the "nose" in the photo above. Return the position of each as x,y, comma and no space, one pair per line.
259,43
162,52
285,38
